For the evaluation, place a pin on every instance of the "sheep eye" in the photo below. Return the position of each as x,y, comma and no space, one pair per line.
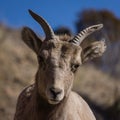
40,59
74,67
42,62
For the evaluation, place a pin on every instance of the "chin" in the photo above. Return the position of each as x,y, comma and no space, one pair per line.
54,102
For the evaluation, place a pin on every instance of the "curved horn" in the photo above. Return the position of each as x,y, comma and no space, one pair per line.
46,27
83,34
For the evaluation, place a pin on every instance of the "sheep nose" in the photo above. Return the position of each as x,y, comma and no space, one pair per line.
55,91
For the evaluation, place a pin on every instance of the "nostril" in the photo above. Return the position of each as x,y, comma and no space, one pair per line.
55,91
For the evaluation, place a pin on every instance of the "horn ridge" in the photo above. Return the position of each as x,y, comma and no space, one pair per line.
84,33
46,27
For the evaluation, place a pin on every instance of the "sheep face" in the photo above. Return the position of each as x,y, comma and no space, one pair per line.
58,61
59,58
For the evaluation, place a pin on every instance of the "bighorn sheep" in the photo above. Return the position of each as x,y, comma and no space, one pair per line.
59,57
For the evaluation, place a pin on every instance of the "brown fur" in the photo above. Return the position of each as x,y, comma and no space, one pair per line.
33,107
51,97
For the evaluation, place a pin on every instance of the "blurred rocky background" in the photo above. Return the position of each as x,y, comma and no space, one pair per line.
98,81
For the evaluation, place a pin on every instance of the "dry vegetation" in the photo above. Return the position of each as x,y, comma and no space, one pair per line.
17,69
18,66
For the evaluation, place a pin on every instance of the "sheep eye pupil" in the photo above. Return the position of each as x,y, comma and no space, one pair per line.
40,58
74,67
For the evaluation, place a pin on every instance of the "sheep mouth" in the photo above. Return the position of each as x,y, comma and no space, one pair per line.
54,101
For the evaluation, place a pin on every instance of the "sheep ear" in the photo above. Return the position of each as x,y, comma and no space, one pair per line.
31,39
95,49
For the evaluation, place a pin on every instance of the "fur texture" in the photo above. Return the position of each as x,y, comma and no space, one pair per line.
51,97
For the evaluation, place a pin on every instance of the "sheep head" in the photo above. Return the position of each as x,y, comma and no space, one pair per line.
59,58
